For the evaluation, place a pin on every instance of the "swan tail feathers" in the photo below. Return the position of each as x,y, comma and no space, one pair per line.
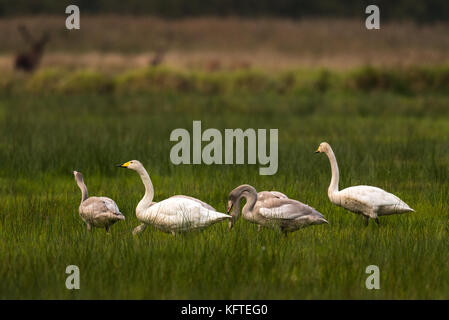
409,208
319,220
406,208
219,216
119,215
224,216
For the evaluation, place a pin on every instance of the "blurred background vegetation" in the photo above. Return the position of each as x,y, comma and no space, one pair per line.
214,46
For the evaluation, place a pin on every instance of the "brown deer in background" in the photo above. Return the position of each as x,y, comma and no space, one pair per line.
162,47
158,58
29,61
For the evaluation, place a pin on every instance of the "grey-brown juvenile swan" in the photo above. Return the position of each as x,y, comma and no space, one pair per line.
272,211
100,212
261,196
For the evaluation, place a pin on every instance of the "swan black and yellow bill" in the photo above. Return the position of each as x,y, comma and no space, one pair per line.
318,150
124,165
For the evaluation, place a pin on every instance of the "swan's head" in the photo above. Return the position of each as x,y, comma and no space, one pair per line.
234,215
133,165
323,147
78,176
234,201
233,198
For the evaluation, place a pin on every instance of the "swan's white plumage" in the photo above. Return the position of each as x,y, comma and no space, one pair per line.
369,201
202,203
175,214
180,214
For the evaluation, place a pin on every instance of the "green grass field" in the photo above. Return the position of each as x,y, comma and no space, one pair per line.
396,142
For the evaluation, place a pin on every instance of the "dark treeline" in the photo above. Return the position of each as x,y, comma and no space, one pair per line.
417,10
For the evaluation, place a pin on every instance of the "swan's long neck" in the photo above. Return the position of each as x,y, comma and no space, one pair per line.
149,190
333,186
82,186
250,194
251,198
236,210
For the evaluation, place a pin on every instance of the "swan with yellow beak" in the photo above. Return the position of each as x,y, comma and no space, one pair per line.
176,214
370,202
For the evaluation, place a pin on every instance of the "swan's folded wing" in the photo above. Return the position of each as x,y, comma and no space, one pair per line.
202,203
286,209
278,194
174,206
265,195
371,196
178,211
111,205
100,205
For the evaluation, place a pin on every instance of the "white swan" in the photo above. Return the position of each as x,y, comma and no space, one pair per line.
175,214
272,211
371,202
100,212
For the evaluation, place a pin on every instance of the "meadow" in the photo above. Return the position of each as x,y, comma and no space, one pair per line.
394,140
